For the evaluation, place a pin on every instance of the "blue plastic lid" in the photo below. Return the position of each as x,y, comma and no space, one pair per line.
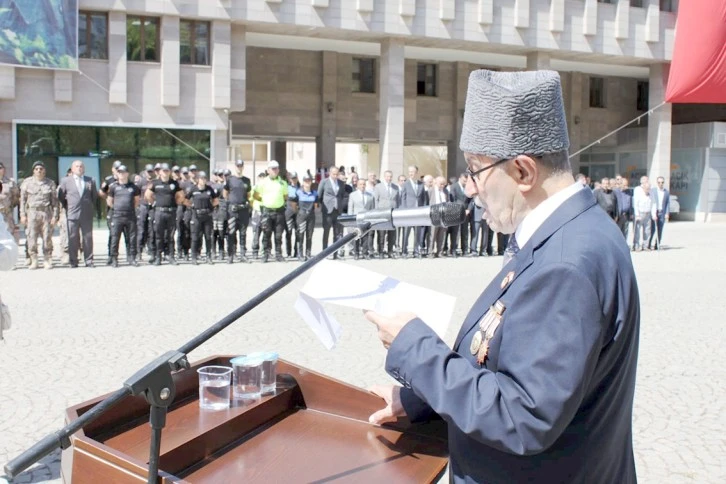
264,355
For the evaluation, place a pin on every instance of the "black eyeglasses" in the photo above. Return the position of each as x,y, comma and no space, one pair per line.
472,174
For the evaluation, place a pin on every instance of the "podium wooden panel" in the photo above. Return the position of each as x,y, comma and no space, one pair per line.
313,429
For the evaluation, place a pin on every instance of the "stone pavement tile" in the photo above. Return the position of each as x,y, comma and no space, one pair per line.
80,333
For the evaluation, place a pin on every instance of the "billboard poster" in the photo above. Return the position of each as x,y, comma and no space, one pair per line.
39,33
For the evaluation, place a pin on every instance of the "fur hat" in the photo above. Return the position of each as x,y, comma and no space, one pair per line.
514,113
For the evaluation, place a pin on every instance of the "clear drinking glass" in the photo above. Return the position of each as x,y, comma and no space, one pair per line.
214,384
247,372
268,376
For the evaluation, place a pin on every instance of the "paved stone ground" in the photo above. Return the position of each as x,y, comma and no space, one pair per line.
80,333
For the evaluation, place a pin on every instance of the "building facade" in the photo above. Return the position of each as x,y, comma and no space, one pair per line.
188,81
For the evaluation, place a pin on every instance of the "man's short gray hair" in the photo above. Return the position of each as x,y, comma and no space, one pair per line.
556,163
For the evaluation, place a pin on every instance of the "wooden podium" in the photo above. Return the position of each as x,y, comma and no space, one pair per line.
313,429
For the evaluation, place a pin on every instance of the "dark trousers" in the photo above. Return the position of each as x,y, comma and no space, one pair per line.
460,237
436,244
201,225
183,232
272,221
305,227
362,246
387,238
417,238
145,229
164,223
480,233
124,223
623,224
219,228
656,224
76,228
109,219
330,220
290,229
238,218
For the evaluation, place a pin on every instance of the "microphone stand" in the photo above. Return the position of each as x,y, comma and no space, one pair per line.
154,381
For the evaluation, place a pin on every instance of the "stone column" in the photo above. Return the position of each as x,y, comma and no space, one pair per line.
538,61
221,64
574,116
170,61
7,82
455,162
659,126
117,57
391,105
238,69
325,142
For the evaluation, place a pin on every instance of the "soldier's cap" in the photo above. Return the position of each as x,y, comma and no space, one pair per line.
116,164
157,166
185,170
175,168
293,174
192,167
164,167
122,168
239,162
38,163
149,168
202,174
227,172
272,165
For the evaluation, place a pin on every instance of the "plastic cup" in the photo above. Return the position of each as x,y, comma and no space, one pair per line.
268,378
214,384
247,373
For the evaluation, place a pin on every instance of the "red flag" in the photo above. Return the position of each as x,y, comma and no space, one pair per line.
698,70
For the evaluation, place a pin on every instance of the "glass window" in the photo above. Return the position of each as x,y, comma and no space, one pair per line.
363,75
597,92
668,5
77,140
194,45
426,80
643,88
142,39
92,35
636,3
118,142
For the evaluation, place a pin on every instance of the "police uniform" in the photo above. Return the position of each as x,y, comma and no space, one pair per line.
272,192
219,217
145,218
124,219
105,185
201,219
164,217
291,217
305,221
255,220
238,214
183,223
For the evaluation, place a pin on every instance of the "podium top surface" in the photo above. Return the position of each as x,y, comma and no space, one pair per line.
313,429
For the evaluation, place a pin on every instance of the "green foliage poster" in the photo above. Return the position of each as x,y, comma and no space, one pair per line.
39,33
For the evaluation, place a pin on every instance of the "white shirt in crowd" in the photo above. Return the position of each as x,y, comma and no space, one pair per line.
642,203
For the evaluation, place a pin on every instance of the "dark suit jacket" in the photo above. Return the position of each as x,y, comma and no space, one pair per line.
458,194
411,197
666,201
432,195
553,401
383,200
328,197
78,207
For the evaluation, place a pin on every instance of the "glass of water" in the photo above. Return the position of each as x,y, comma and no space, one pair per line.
268,374
247,376
214,384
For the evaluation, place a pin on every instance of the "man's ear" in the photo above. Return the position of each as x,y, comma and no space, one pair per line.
525,171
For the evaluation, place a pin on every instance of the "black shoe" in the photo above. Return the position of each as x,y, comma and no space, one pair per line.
157,261
114,262
279,258
109,261
173,261
230,260
264,259
210,260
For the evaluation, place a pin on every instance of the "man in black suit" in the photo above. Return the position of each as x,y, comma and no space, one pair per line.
331,192
457,191
77,194
413,195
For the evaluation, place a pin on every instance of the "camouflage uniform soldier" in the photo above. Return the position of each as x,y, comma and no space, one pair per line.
39,214
9,199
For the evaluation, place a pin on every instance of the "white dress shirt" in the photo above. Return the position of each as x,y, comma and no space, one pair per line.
661,196
542,212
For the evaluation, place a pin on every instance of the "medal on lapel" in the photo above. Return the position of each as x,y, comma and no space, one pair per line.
487,327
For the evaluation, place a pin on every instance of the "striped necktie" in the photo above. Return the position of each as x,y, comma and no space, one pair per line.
511,250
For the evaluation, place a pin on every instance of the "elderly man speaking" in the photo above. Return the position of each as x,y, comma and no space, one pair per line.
539,386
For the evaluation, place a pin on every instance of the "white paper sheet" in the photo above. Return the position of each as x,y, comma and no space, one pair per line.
347,285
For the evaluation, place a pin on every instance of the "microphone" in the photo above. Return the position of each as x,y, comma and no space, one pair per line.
439,215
